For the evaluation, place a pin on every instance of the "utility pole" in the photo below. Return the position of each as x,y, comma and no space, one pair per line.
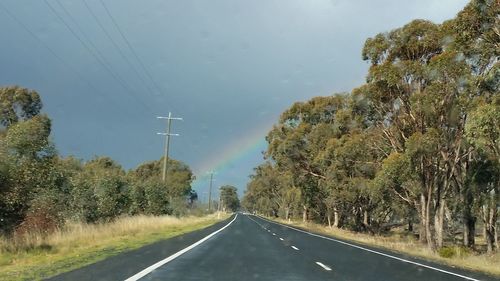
167,142
219,208
210,192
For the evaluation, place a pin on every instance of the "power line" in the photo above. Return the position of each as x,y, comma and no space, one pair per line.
130,46
101,26
96,50
89,50
29,31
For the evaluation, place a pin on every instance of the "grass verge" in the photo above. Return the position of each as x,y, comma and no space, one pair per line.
405,244
34,256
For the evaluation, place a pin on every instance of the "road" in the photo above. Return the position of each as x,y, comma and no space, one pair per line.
252,248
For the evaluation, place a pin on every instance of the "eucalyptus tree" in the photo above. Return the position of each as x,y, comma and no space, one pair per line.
229,198
27,154
149,194
296,142
483,131
18,104
272,192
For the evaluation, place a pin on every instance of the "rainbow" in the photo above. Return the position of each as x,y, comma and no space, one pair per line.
252,143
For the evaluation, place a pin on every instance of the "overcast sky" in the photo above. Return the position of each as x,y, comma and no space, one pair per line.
228,67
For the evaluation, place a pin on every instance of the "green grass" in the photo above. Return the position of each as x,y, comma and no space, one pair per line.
399,242
34,257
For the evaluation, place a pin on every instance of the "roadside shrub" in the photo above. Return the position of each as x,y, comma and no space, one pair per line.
157,199
446,252
179,207
44,215
453,251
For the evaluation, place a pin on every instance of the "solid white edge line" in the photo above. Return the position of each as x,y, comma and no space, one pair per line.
149,269
295,248
323,266
373,251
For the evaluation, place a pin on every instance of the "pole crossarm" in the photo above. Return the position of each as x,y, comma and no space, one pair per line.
169,118
165,134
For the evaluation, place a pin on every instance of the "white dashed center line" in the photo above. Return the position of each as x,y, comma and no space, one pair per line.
295,248
274,234
323,266
281,239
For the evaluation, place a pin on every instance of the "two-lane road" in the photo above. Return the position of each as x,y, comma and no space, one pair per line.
247,247
252,248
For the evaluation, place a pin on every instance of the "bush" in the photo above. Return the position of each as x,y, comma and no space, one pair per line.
179,207
157,198
446,252
112,199
44,215
454,251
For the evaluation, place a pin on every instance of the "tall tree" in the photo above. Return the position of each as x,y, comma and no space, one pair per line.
229,198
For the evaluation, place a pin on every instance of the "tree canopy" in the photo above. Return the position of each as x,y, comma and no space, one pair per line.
417,144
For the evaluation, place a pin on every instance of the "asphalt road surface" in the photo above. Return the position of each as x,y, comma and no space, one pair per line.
247,247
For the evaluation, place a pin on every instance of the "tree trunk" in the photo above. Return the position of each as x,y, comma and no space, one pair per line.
484,230
427,222
490,228
422,233
469,228
287,213
490,216
439,224
469,221
329,218
336,218
496,236
410,225
490,240
304,214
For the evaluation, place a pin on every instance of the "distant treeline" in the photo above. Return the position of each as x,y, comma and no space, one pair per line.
417,145
40,190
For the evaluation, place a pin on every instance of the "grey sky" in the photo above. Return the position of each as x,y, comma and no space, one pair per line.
229,68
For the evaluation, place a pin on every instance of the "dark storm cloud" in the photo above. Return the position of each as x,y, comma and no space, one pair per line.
227,67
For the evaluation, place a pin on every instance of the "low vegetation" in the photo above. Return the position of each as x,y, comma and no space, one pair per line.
402,242
38,255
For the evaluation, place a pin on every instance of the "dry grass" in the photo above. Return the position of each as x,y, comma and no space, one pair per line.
402,243
35,256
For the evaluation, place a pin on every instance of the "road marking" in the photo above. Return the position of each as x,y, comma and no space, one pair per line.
295,248
375,252
323,266
268,230
148,270
274,234
281,239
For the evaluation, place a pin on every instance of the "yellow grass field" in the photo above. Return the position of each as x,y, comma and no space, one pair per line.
35,256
